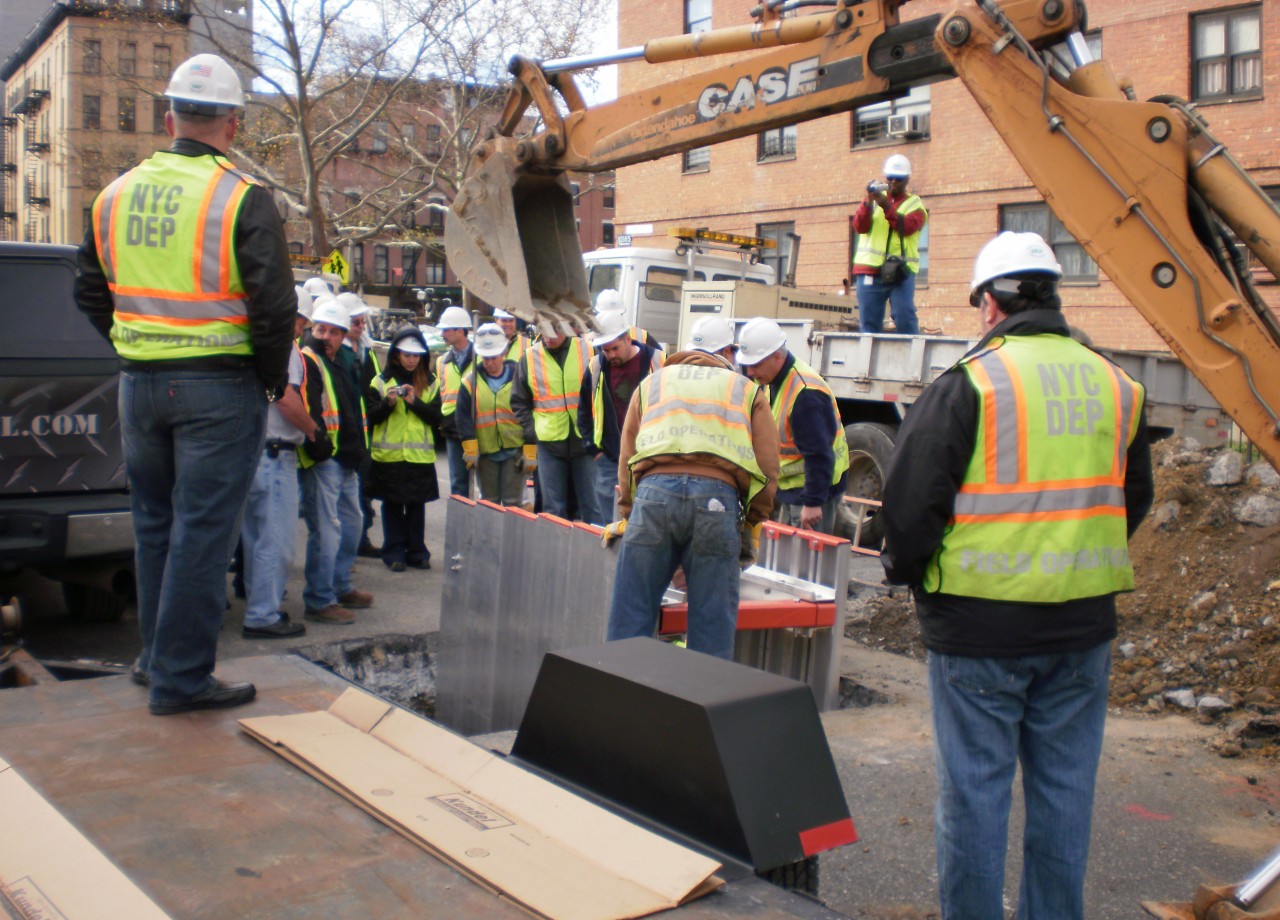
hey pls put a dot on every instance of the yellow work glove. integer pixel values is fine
(470, 453)
(612, 532)
(750, 550)
(530, 457)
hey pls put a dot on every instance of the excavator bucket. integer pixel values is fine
(512, 240)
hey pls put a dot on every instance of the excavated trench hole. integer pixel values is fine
(401, 669)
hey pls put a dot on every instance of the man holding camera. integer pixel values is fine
(888, 224)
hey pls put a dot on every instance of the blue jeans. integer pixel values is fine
(606, 485)
(191, 444)
(989, 714)
(269, 535)
(554, 474)
(331, 506)
(902, 304)
(680, 520)
(459, 475)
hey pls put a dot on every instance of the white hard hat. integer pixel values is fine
(317, 286)
(354, 305)
(410, 346)
(499, 313)
(304, 301)
(490, 341)
(609, 301)
(205, 85)
(897, 167)
(331, 313)
(1011, 253)
(611, 326)
(454, 318)
(710, 334)
(759, 338)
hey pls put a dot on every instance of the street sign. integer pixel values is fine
(337, 265)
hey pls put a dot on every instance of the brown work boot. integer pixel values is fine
(339, 616)
(356, 599)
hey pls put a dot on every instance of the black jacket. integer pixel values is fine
(612, 440)
(931, 454)
(263, 257)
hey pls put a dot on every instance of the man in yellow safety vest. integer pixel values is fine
(1015, 483)
(815, 455)
(889, 223)
(697, 468)
(186, 271)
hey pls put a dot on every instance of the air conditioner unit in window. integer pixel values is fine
(909, 126)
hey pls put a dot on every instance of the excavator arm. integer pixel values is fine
(1143, 186)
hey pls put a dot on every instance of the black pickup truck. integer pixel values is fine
(64, 504)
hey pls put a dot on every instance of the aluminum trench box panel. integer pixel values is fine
(518, 638)
(470, 606)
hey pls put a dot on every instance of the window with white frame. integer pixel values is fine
(697, 16)
(778, 144)
(778, 256)
(697, 160)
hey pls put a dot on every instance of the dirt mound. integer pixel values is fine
(1201, 632)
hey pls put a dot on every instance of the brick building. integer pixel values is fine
(809, 178)
(83, 103)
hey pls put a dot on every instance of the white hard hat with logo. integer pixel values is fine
(759, 338)
(304, 301)
(454, 318)
(205, 85)
(410, 346)
(354, 305)
(710, 334)
(609, 326)
(499, 313)
(331, 313)
(897, 167)
(609, 301)
(490, 341)
(1012, 253)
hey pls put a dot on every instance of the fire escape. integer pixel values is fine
(8, 177)
(35, 218)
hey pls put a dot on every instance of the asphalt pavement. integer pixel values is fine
(1169, 814)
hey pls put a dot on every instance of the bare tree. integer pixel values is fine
(372, 105)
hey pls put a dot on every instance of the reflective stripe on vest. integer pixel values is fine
(791, 470)
(555, 389)
(329, 416)
(450, 377)
(692, 409)
(403, 436)
(497, 427)
(1040, 516)
(597, 393)
(872, 246)
(165, 238)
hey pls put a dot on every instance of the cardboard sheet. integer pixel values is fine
(49, 870)
(554, 853)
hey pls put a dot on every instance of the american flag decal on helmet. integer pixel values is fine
(201, 70)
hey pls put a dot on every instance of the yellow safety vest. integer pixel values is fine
(516, 350)
(1040, 516)
(450, 377)
(403, 436)
(874, 246)
(597, 393)
(555, 389)
(802, 377)
(328, 407)
(693, 409)
(497, 427)
(165, 238)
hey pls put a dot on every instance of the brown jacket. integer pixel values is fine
(764, 440)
